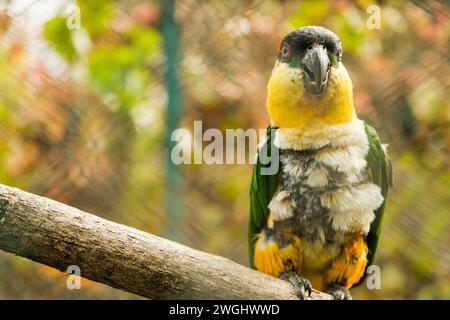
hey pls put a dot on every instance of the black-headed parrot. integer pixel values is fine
(316, 220)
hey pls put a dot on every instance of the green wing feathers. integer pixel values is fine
(262, 189)
(380, 170)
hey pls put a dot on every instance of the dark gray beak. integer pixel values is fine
(316, 67)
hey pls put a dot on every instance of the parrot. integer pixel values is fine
(316, 220)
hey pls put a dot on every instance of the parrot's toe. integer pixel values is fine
(301, 285)
(339, 292)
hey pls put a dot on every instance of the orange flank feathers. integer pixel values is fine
(349, 266)
(274, 260)
(346, 268)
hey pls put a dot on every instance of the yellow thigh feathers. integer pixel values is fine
(349, 266)
(274, 260)
(346, 268)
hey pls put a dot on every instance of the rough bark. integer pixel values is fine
(58, 235)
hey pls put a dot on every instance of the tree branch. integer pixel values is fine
(58, 235)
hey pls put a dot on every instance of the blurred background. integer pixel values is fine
(91, 90)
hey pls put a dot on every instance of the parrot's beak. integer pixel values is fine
(316, 68)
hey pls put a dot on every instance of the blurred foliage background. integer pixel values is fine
(83, 120)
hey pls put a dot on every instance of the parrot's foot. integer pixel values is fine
(339, 292)
(300, 284)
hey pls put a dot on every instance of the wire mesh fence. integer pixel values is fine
(84, 120)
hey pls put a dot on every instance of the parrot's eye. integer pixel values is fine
(285, 53)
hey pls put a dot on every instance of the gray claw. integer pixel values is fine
(339, 292)
(300, 284)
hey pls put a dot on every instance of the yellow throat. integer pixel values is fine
(289, 105)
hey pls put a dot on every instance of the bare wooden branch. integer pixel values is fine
(58, 235)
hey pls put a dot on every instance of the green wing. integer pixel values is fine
(380, 171)
(262, 190)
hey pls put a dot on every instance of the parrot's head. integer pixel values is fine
(309, 85)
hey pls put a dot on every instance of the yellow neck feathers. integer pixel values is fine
(290, 106)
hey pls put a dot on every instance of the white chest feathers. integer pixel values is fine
(333, 172)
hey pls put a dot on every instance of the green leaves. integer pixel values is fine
(118, 60)
(59, 36)
(121, 69)
(96, 16)
(349, 24)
